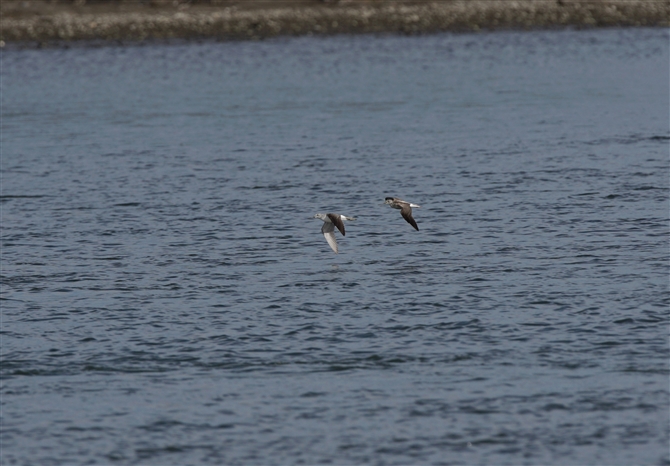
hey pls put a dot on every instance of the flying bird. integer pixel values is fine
(405, 209)
(330, 221)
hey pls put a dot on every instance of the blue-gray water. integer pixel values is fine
(167, 298)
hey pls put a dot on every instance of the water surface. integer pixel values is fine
(168, 299)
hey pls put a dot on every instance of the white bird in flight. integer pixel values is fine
(330, 221)
(405, 209)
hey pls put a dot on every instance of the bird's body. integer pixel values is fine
(330, 221)
(405, 209)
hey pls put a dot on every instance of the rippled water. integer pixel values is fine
(168, 299)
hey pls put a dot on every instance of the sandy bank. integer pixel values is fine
(41, 21)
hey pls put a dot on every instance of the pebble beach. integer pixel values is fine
(40, 22)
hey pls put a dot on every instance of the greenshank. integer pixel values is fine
(405, 209)
(330, 221)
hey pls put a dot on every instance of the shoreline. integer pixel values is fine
(26, 22)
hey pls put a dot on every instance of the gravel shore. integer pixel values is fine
(33, 21)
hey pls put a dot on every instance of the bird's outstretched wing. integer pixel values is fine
(328, 230)
(406, 213)
(337, 221)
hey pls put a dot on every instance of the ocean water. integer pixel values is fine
(168, 299)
